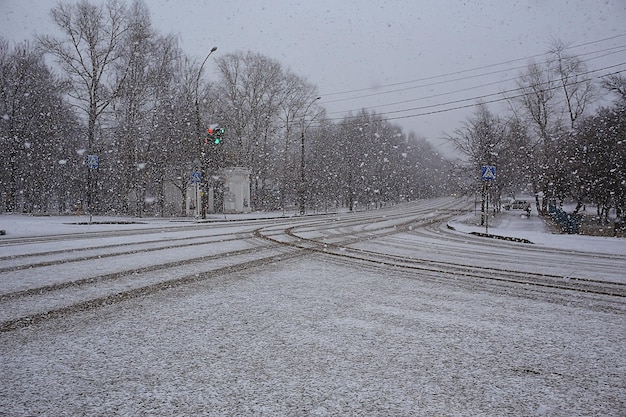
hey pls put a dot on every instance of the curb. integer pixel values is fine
(507, 238)
(510, 239)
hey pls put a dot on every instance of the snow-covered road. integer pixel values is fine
(309, 333)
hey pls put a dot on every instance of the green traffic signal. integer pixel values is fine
(218, 135)
(215, 134)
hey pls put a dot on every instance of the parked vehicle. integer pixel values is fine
(517, 205)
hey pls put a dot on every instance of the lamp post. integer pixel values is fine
(302, 188)
(199, 134)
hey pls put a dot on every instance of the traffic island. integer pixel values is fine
(509, 238)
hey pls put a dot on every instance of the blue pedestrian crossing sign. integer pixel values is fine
(195, 177)
(92, 161)
(488, 173)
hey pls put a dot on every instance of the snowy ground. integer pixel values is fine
(515, 223)
(316, 336)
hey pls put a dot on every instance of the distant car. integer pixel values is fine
(517, 205)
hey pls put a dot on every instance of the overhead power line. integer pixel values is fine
(474, 99)
(465, 106)
(609, 51)
(450, 92)
(485, 98)
(469, 70)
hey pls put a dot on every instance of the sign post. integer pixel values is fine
(196, 178)
(487, 174)
(92, 163)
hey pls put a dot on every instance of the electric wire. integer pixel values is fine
(622, 48)
(474, 98)
(592, 56)
(476, 68)
(474, 104)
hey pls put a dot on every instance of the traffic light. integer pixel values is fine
(215, 134)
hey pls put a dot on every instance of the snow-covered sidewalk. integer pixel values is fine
(516, 224)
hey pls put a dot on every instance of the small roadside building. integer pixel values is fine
(236, 182)
(229, 193)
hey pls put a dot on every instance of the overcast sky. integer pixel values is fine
(401, 58)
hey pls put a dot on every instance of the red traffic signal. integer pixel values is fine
(215, 133)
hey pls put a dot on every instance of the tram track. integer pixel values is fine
(341, 245)
(23, 308)
(65, 237)
(44, 283)
(42, 259)
(585, 285)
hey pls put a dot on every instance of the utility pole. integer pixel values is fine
(303, 187)
(203, 174)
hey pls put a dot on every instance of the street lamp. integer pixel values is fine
(302, 190)
(199, 134)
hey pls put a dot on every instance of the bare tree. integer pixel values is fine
(577, 87)
(167, 123)
(37, 133)
(297, 110)
(93, 42)
(482, 139)
(257, 101)
(295, 96)
(555, 91)
(616, 83)
(135, 110)
(538, 100)
(537, 86)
